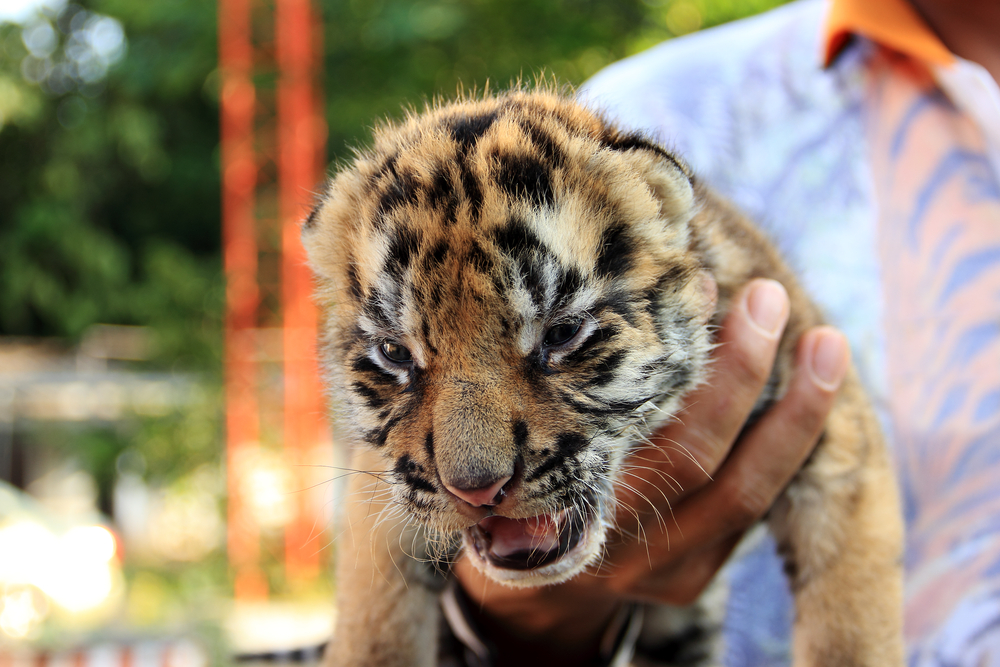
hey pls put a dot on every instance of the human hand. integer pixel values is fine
(690, 497)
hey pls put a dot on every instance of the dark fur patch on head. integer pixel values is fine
(550, 151)
(471, 189)
(435, 255)
(604, 371)
(376, 374)
(615, 256)
(404, 245)
(441, 195)
(466, 130)
(524, 177)
(480, 259)
(377, 437)
(353, 282)
(372, 397)
(516, 239)
(429, 445)
(402, 190)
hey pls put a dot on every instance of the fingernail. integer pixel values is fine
(767, 305)
(829, 359)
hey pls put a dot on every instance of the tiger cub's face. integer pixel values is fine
(508, 304)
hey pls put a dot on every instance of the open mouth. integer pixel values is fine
(527, 544)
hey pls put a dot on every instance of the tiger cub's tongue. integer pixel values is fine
(512, 536)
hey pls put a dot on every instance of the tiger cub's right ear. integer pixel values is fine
(669, 178)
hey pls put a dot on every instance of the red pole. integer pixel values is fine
(239, 178)
(301, 141)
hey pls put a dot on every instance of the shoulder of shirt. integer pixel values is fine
(631, 88)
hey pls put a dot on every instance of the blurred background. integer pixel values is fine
(144, 516)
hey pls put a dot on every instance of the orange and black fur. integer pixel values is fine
(514, 294)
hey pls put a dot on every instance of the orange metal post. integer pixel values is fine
(300, 135)
(239, 178)
(301, 141)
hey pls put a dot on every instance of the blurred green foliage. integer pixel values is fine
(109, 206)
(381, 54)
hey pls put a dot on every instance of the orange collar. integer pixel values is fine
(892, 23)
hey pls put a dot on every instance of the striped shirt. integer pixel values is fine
(871, 154)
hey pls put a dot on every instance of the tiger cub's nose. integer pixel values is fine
(479, 492)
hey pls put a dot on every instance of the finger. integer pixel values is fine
(690, 449)
(711, 522)
(774, 449)
(681, 581)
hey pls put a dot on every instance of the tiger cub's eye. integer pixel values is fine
(395, 352)
(561, 333)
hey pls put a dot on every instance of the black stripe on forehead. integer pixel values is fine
(470, 187)
(529, 255)
(524, 177)
(466, 130)
(480, 259)
(441, 195)
(614, 258)
(404, 244)
(398, 190)
(544, 142)
(570, 282)
(516, 239)
(435, 255)
(353, 282)
(382, 308)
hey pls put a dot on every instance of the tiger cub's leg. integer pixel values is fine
(839, 529)
(387, 611)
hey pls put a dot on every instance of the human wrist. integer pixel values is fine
(527, 626)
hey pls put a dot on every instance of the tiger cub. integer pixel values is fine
(508, 285)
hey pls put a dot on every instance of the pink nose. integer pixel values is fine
(486, 495)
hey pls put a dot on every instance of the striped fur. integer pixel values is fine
(511, 286)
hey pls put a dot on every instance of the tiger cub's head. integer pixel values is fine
(509, 302)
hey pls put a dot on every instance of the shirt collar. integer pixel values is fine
(891, 23)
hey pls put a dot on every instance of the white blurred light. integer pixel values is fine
(25, 549)
(40, 39)
(79, 586)
(267, 484)
(106, 36)
(74, 570)
(21, 610)
(20, 11)
(269, 491)
(93, 44)
(93, 543)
